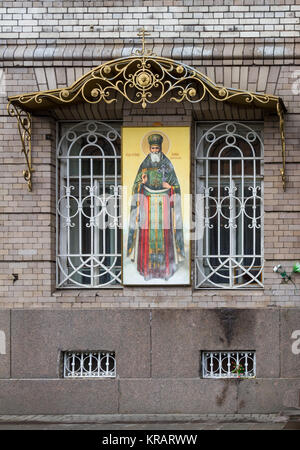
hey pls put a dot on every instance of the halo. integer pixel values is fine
(165, 143)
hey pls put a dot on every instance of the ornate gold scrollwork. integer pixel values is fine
(142, 78)
(282, 135)
(24, 128)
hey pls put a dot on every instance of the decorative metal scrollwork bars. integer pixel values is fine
(97, 364)
(229, 207)
(229, 364)
(88, 206)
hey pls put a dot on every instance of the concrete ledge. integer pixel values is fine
(59, 50)
(58, 396)
(143, 418)
(144, 396)
(177, 396)
(292, 413)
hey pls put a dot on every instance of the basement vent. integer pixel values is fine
(89, 364)
(233, 364)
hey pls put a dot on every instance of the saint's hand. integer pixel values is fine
(166, 185)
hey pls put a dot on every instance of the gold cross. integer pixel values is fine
(142, 33)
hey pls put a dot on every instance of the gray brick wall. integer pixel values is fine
(167, 19)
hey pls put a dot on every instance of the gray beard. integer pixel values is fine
(155, 157)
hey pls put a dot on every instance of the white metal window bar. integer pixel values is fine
(235, 364)
(229, 206)
(88, 205)
(96, 364)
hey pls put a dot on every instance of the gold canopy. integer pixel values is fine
(144, 79)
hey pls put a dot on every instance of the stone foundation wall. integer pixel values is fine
(158, 355)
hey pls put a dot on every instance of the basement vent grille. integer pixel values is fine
(89, 364)
(233, 364)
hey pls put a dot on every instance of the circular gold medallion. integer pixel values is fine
(143, 79)
(65, 93)
(107, 69)
(95, 92)
(192, 92)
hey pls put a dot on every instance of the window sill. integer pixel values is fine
(85, 292)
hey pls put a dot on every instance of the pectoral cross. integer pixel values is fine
(162, 170)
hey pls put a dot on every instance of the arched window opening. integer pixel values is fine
(88, 205)
(229, 207)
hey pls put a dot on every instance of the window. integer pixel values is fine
(229, 226)
(96, 364)
(88, 205)
(235, 364)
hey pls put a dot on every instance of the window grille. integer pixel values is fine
(88, 205)
(236, 364)
(96, 364)
(229, 206)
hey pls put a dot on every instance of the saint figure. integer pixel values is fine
(155, 238)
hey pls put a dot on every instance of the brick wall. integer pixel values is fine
(168, 19)
(49, 44)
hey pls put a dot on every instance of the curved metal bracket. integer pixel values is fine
(24, 128)
(282, 135)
